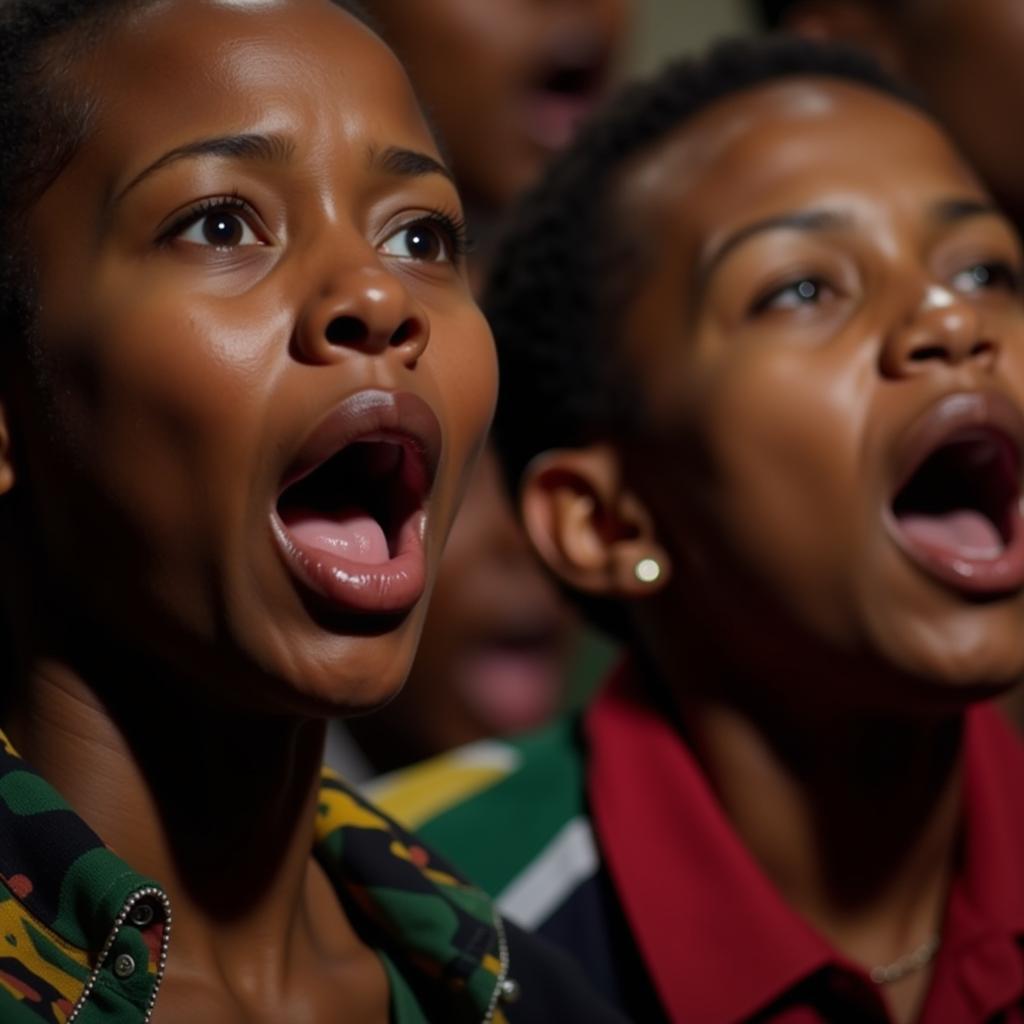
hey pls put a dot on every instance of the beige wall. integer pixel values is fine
(669, 27)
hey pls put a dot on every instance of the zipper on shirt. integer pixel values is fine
(129, 904)
(503, 960)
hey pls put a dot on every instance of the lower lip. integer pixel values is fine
(977, 577)
(389, 588)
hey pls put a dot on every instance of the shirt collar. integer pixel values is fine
(992, 879)
(716, 935)
(60, 882)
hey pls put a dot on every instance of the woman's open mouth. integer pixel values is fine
(351, 515)
(957, 511)
(565, 89)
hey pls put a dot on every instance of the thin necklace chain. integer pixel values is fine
(886, 974)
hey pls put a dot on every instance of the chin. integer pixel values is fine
(962, 659)
(355, 686)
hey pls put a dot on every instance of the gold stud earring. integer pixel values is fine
(647, 570)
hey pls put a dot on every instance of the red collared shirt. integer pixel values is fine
(720, 943)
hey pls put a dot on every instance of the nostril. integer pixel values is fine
(982, 348)
(926, 352)
(404, 332)
(346, 330)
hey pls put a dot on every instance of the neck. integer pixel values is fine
(855, 821)
(853, 815)
(217, 807)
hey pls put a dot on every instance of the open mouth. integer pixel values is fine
(957, 512)
(963, 498)
(565, 90)
(356, 504)
(350, 517)
(515, 681)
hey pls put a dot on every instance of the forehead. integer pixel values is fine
(785, 146)
(179, 68)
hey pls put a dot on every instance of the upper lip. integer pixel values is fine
(377, 414)
(954, 417)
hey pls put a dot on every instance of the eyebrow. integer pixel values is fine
(946, 211)
(266, 148)
(407, 163)
(949, 211)
(396, 161)
(805, 220)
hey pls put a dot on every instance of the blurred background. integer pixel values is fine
(665, 28)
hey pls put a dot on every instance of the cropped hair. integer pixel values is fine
(564, 269)
(772, 14)
(42, 121)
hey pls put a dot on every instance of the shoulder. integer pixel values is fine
(493, 807)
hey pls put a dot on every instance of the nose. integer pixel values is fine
(945, 329)
(367, 309)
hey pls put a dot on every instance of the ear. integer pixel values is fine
(857, 22)
(588, 527)
(6, 460)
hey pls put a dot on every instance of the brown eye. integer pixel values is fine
(437, 238)
(219, 227)
(806, 291)
(421, 241)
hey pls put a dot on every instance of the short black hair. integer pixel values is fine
(557, 283)
(41, 122)
(772, 14)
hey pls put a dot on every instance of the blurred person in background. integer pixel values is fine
(506, 83)
(964, 57)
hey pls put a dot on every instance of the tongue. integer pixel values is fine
(964, 533)
(352, 534)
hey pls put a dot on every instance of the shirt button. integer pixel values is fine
(124, 966)
(141, 915)
(510, 991)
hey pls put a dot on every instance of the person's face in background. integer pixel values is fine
(506, 81)
(964, 56)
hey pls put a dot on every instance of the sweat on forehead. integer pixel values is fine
(558, 284)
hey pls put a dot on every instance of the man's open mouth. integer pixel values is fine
(351, 513)
(957, 512)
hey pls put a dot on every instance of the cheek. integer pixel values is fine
(788, 489)
(150, 405)
(465, 373)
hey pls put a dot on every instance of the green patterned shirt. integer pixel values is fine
(84, 937)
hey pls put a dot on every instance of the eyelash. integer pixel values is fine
(766, 300)
(453, 227)
(200, 209)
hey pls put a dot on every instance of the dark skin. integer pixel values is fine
(484, 70)
(965, 59)
(807, 646)
(185, 353)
